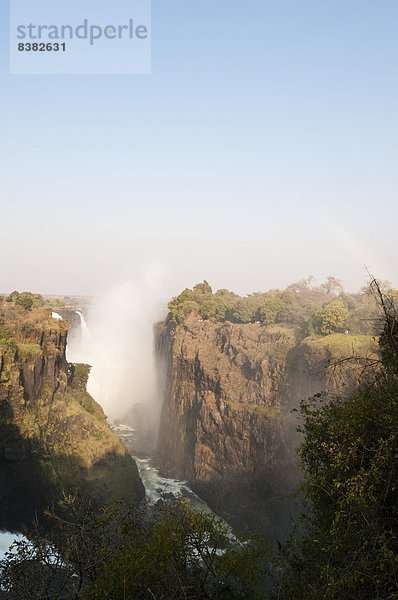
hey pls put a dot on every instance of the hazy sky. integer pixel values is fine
(263, 148)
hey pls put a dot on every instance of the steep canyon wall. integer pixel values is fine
(227, 424)
(54, 438)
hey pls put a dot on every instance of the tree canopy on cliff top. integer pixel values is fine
(22, 315)
(313, 309)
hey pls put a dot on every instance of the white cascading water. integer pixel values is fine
(117, 341)
(121, 351)
(85, 332)
(79, 342)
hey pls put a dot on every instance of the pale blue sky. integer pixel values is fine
(262, 148)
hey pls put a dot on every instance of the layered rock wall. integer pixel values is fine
(54, 438)
(227, 424)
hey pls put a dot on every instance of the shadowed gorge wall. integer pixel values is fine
(54, 437)
(227, 425)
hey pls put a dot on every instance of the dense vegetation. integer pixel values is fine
(165, 552)
(27, 300)
(321, 310)
(349, 546)
(20, 315)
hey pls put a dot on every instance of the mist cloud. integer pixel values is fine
(119, 345)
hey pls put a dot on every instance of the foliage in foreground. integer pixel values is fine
(349, 547)
(165, 552)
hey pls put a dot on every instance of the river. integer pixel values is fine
(156, 486)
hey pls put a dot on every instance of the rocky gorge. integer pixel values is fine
(228, 424)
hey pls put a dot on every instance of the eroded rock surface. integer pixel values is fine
(54, 438)
(227, 424)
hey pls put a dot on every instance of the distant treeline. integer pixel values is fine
(321, 310)
(27, 300)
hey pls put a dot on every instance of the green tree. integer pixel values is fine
(12, 297)
(183, 555)
(332, 318)
(242, 311)
(270, 310)
(181, 307)
(203, 289)
(165, 552)
(25, 299)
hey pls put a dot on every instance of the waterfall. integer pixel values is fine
(85, 332)
(117, 341)
(79, 348)
(123, 376)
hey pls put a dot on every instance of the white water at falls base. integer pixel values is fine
(156, 486)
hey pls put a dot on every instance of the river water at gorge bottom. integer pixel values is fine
(156, 486)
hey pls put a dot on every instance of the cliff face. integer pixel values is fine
(226, 423)
(54, 438)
